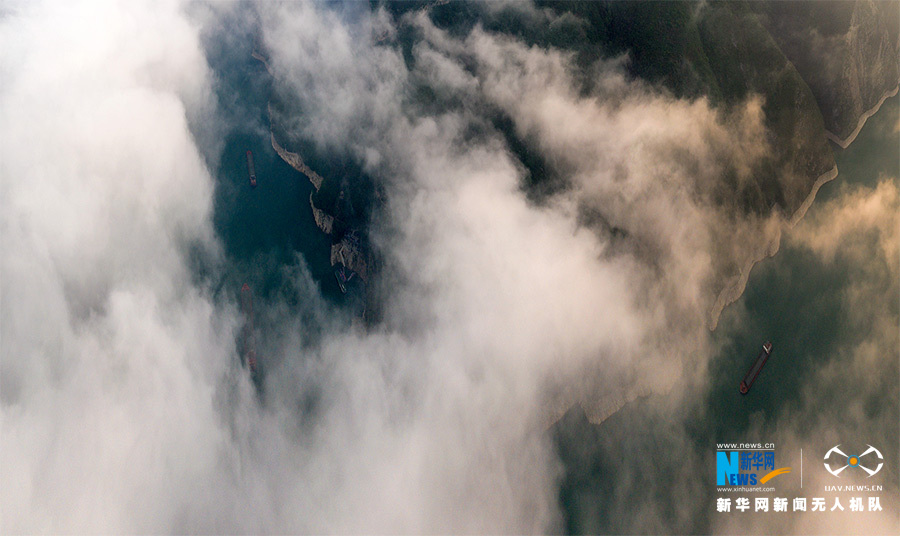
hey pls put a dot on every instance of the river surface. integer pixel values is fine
(268, 228)
(614, 470)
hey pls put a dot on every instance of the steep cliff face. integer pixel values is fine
(747, 61)
(847, 52)
(350, 253)
(349, 250)
(296, 161)
(324, 221)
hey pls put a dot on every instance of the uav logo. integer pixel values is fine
(837, 457)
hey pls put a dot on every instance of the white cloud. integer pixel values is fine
(503, 305)
(110, 356)
(846, 225)
(122, 407)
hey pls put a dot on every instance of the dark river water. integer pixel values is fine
(613, 471)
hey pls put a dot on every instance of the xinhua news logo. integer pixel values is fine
(836, 461)
(737, 466)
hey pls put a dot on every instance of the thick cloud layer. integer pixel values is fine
(645, 212)
(508, 310)
(109, 352)
(123, 405)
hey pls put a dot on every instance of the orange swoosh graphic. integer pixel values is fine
(773, 474)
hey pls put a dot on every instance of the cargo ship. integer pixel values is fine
(251, 169)
(248, 345)
(760, 362)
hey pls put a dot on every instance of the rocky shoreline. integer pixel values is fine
(862, 121)
(296, 161)
(348, 250)
(599, 410)
(734, 290)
